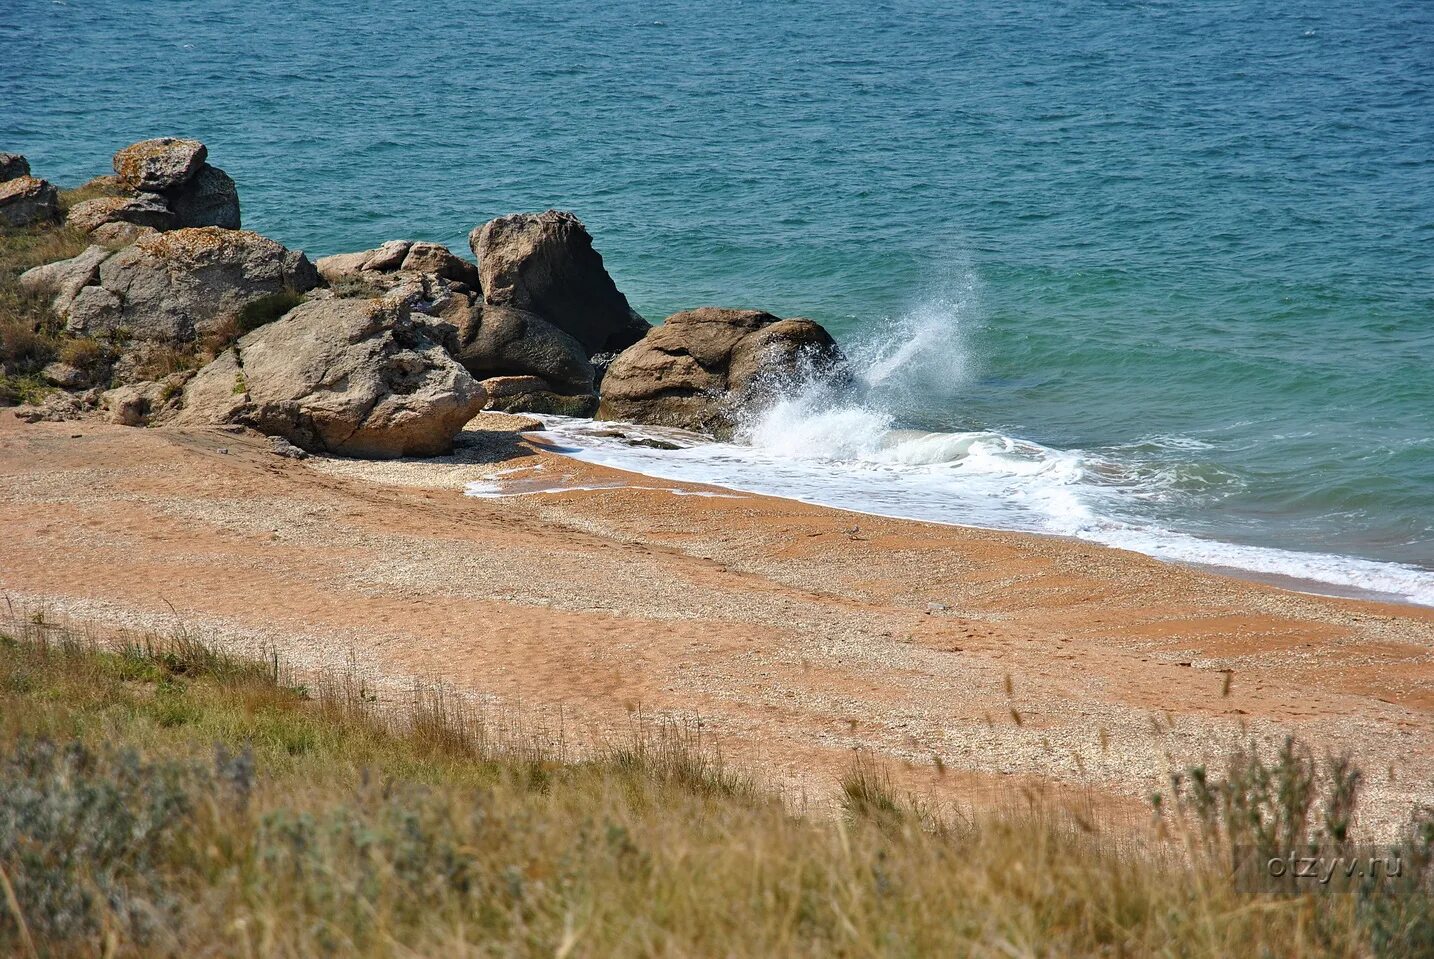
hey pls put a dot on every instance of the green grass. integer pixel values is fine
(163, 798)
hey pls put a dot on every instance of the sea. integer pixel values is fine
(1153, 274)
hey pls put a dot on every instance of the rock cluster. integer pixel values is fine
(25, 200)
(345, 376)
(701, 367)
(385, 352)
(160, 184)
(170, 287)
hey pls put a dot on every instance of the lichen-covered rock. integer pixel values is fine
(26, 199)
(701, 368)
(503, 341)
(13, 166)
(533, 394)
(142, 209)
(346, 376)
(178, 286)
(544, 263)
(208, 198)
(155, 166)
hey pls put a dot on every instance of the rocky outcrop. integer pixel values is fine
(172, 287)
(533, 394)
(26, 199)
(144, 209)
(503, 341)
(13, 166)
(346, 376)
(145, 404)
(210, 198)
(174, 173)
(545, 263)
(155, 166)
(378, 266)
(700, 367)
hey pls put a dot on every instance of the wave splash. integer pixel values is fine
(848, 448)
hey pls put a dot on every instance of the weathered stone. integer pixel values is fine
(13, 166)
(345, 376)
(700, 368)
(545, 263)
(26, 200)
(143, 209)
(501, 341)
(180, 285)
(154, 166)
(64, 279)
(65, 376)
(414, 256)
(209, 198)
(116, 235)
(533, 394)
(145, 404)
(282, 447)
(60, 407)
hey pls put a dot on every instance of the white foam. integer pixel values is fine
(846, 450)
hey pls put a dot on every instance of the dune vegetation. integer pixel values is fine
(159, 797)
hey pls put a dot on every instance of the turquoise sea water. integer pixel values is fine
(1167, 268)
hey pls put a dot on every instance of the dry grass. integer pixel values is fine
(29, 336)
(165, 799)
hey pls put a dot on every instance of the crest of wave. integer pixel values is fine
(902, 369)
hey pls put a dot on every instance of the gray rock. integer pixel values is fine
(64, 279)
(545, 263)
(701, 368)
(60, 407)
(415, 256)
(533, 394)
(65, 376)
(282, 447)
(116, 235)
(178, 286)
(345, 376)
(13, 166)
(155, 166)
(209, 198)
(26, 200)
(503, 341)
(143, 209)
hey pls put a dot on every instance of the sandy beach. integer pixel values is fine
(794, 633)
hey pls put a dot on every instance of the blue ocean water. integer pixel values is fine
(1172, 264)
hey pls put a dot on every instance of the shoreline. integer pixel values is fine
(794, 636)
(1304, 584)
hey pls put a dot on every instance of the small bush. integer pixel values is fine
(267, 309)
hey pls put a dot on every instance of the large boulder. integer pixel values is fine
(346, 376)
(159, 165)
(701, 368)
(143, 209)
(13, 166)
(209, 198)
(176, 287)
(26, 199)
(503, 341)
(545, 263)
